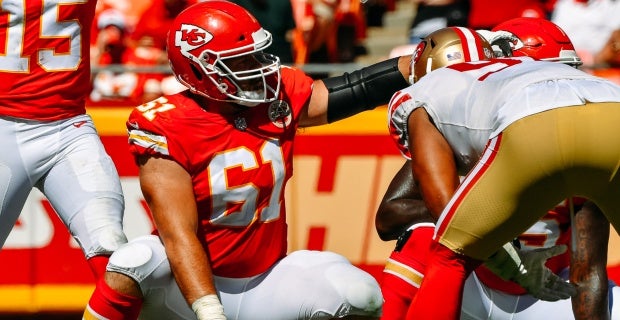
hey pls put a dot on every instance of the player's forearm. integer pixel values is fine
(401, 206)
(433, 162)
(191, 267)
(588, 263)
(192, 271)
(590, 302)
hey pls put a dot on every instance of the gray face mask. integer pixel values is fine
(250, 95)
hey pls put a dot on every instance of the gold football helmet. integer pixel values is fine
(445, 47)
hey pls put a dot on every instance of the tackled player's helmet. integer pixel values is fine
(540, 39)
(445, 47)
(215, 48)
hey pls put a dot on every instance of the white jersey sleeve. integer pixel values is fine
(470, 103)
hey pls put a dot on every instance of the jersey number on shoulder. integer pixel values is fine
(13, 59)
(246, 194)
(483, 69)
(152, 108)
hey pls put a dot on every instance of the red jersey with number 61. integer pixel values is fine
(44, 57)
(239, 166)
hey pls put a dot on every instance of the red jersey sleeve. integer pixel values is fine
(159, 128)
(145, 136)
(296, 88)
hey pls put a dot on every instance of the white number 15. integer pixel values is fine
(13, 59)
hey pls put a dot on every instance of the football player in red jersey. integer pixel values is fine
(47, 139)
(214, 161)
(522, 132)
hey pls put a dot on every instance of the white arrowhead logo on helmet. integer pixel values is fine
(191, 37)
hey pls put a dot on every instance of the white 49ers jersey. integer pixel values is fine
(470, 103)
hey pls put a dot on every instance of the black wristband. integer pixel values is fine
(363, 89)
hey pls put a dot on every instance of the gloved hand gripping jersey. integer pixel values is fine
(502, 42)
(527, 268)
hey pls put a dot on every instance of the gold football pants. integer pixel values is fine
(530, 167)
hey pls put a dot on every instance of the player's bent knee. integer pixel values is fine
(139, 258)
(365, 296)
(360, 290)
(344, 289)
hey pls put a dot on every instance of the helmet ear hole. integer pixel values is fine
(197, 73)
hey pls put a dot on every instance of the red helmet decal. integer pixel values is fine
(418, 52)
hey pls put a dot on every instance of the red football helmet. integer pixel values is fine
(445, 47)
(215, 48)
(540, 39)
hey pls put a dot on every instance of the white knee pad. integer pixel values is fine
(141, 259)
(359, 288)
(144, 260)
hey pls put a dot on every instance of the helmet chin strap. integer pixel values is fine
(250, 95)
(247, 103)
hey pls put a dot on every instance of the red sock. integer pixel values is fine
(97, 265)
(441, 293)
(106, 303)
(404, 271)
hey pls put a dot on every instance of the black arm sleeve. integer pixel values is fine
(363, 89)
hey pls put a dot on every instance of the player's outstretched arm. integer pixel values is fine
(339, 97)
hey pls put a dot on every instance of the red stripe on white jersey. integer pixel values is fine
(470, 180)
